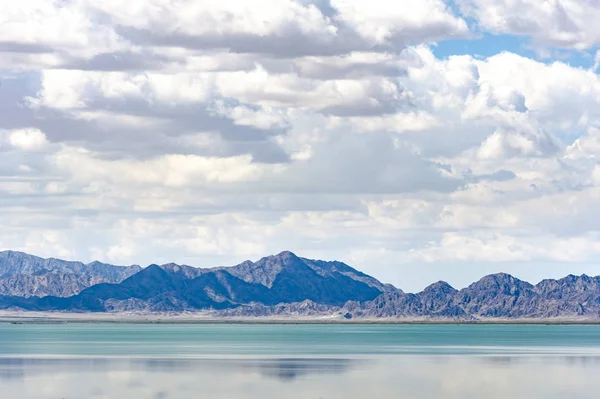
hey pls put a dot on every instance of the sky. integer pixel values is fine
(416, 141)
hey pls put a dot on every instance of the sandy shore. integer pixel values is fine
(202, 318)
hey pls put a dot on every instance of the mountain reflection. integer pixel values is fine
(492, 377)
(289, 369)
(571, 359)
(278, 368)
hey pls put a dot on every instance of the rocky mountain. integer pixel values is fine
(266, 270)
(497, 296)
(27, 275)
(283, 278)
(283, 285)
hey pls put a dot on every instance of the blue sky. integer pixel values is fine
(486, 45)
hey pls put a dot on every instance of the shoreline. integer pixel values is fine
(154, 318)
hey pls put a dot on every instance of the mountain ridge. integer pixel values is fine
(26, 275)
(288, 285)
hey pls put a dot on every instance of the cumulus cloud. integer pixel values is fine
(210, 132)
(69, 89)
(48, 33)
(26, 139)
(491, 247)
(380, 22)
(171, 170)
(108, 35)
(565, 23)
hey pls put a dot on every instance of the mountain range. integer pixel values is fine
(281, 285)
(27, 275)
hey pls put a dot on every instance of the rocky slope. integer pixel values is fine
(497, 296)
(283, 285)
(280, 279)
(26, 275)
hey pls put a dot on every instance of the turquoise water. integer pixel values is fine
(53, 361)
(260, 339)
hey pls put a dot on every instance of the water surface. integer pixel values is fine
(298, 361)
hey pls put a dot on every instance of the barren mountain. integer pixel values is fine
(281, 285)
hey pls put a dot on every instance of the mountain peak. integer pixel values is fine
(282, 283)
(152, 271)
(95, 262)
(286, 255)
(29, 275)
(499, 278)
(573, 277)
(10, 253)
(187, 271)
(440, 286)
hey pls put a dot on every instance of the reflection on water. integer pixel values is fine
(96, 361)
(275, 378)
(289, 369)
(294, 340)
(283, 368)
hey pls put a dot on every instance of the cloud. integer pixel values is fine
(353, 165)
(355, 65)
(585, 147)
(380, 22)
(567, 23)
(69, 89)
(151, 35)
(209, 132)
(224, 24)
(491, 247)
(26, 139)
(170, 170)
(47, 32)
(345, 97)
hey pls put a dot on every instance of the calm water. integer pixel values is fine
(298, 361)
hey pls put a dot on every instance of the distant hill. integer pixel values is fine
(284, 278)
(281, 285)
(27, 275)
(497, 296)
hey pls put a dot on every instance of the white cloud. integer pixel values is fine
(170, 170)
(345, 96)
(493, 247)
(110, 35)
(26, 139)
(564, 23)
(67, 89)
(208, 132)
(262, 118)
(380, 21)
(119, 253)
(219, 17)
(507, 144)
(585, 147)
(398, 122)
(65, 25)
(355, 65)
